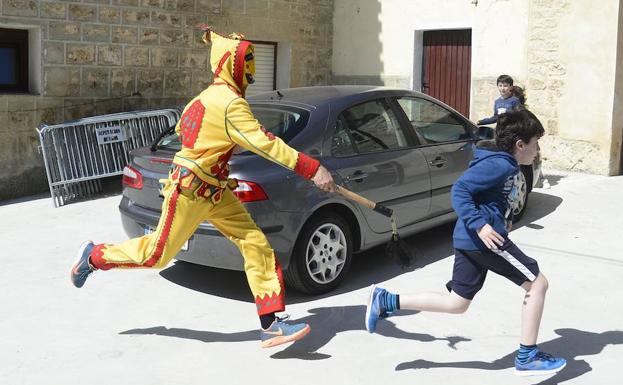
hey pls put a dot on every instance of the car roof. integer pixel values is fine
(320, 95)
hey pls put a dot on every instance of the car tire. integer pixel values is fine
(322, 255)
(524, 192)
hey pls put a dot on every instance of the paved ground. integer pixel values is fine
(194, 325)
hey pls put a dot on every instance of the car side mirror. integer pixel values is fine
(485, 132)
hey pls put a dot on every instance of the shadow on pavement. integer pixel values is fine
(368, 267)
(326, 323)
(571, 344)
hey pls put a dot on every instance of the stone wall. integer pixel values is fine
(104, 56)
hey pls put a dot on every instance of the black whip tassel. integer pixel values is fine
(398, 250)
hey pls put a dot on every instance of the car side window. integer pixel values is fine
(431, 122)
(367, 127)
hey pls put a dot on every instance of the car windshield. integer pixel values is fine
(282, 121)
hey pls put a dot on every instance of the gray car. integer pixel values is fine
(400, 148)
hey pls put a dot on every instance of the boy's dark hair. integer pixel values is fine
(515, 125)
(505, 79)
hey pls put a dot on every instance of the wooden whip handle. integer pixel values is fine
(364, 201)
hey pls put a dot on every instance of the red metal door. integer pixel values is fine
(446, 67)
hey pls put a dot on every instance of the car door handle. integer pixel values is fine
(358, 176)
(438, 161)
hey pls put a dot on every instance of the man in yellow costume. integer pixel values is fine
(197, 189)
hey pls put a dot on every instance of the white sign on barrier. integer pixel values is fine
(107, 135)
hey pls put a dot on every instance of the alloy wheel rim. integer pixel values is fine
(325, 254)
(521, 194)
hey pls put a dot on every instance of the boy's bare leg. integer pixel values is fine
(532, 309)
(435, 302)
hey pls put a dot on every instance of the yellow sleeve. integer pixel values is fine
(244, 130)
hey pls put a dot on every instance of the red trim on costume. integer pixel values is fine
(306, 166)
(190, 123)
(220, 63)
(274, 303)
(229, 86)
(221, 169)
(239, 62)
(267, 133)
(97, 254)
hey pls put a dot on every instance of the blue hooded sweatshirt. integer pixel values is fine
(484, 194)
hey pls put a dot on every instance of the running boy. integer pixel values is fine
(483, 198)
(505, 103)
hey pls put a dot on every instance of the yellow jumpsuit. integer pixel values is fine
(198, 188)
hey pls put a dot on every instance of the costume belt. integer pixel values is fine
(193, 187)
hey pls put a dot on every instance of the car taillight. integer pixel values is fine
(132, 178)
(249, 192)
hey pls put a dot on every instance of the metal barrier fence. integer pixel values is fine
(78, 154)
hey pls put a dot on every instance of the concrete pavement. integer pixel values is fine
(190, 325)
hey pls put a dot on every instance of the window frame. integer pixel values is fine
(398, 115)
(18, 40)
(411, 131)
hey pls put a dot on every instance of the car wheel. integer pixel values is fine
(322, 255)
(524, 191)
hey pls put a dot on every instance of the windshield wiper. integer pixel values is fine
(154, 145)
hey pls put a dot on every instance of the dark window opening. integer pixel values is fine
(13, 60)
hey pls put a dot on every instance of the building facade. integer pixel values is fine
(568, 56)
(91, 57)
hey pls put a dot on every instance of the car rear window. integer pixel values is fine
(282, 121)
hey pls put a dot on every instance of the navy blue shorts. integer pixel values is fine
(471, 266)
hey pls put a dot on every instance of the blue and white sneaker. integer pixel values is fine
(375, 310)
(81, 269)
(281, 332)
(540, 363)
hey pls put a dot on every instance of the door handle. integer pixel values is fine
(438, 161)
(358, 176)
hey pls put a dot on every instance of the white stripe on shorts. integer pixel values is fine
(518, 265)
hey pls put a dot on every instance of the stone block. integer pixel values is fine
(80, 12)
(163, 102)
(201, 80)
(96, 32)
(131, 16)
(148, 36)
(22, 120)
(195, 59)
(195, 20)
(164, 57)
(78, 108)
(124, 34)
(136, 56)
(109, 55)
(165, 19)
(53, 10)
(257, 8)
(109, 15)
(233, 7)
(150, 82)
(61, 81)
(177, 83)
(20, 8)
(122, 82)
(62, 30)
(152, 3)
(53, 52)
(136, 103)
(175, 37)
(80, 54)
(209, 6)
(49, 110)
(129, 3)
(180, 5)
(108, 106)
(95, 81)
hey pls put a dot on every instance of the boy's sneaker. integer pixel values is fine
(281, 332)
(540, 363)
(375, 310)
(81, 269)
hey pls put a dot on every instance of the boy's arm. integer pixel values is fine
(492, 119)
(478, 178)
(244, 130)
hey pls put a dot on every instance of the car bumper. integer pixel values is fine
(208, 246)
